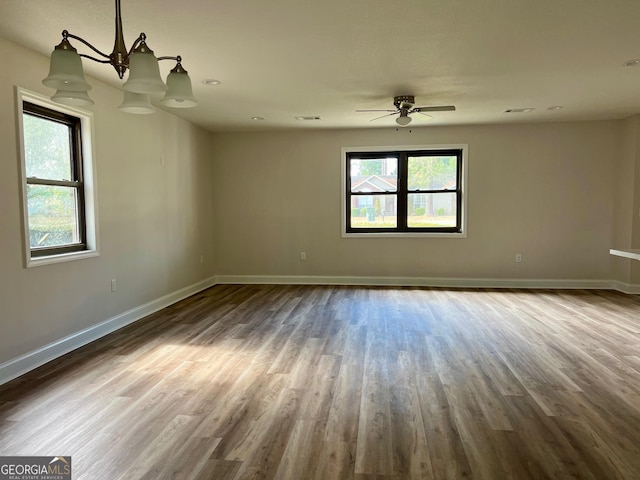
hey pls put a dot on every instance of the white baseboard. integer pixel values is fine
(630, 288)
(421, 282)
(29, 361)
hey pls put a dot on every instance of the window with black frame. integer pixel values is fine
(404, 191)
(54, 181)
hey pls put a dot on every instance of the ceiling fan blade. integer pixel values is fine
(394, 111)
(388, 114)
(440, 108)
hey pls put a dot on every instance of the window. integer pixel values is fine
(404, 191)
(57, 198)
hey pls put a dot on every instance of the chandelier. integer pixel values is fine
(66, 75)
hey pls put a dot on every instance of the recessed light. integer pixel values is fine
(308, 118)
(519, 110)
(211, 81)
(632, 63)
(257, 118)
(556, 107)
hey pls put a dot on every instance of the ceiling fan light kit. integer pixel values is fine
(405, 106)
(403, 120)
(66, 74)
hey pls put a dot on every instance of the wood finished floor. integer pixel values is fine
(315, 382)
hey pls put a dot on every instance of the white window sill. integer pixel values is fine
(403, 235)
(64, 257)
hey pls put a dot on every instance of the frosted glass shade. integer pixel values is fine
(144, 74)
(75, 99)
(179, 93)
(139, 103)
(65, 72)
(403, 121)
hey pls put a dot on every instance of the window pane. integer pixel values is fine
(47, 148)
(432, 173)
(431, 210)
(373, 211)
(374, 175)
(53, 219)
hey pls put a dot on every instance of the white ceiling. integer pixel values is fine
(279, 59)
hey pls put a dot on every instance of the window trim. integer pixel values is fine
(88, 194)
(464, 148)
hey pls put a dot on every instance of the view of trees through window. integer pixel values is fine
(53, 179)
(404, 191)
(432, 174)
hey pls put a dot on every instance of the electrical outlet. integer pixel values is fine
(303, 255)
(518, 258)
(114, 285)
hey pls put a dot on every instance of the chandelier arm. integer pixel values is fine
(177, 58)
(80, 39)
(94, 58)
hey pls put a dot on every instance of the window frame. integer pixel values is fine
(402, 192)
(83, 178)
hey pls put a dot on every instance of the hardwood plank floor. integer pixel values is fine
(353, 383)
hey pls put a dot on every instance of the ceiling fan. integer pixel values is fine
(405, 106)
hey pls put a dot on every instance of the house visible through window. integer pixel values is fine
(57, 200)
(414, 191)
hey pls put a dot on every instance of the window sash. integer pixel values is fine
(76, 182)
(59, 183)
(402, 193)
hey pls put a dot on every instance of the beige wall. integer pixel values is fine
(544, 190)
(624, 199)
(151, 218)
(630, 192)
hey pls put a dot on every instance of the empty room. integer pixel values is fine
(332, 240)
